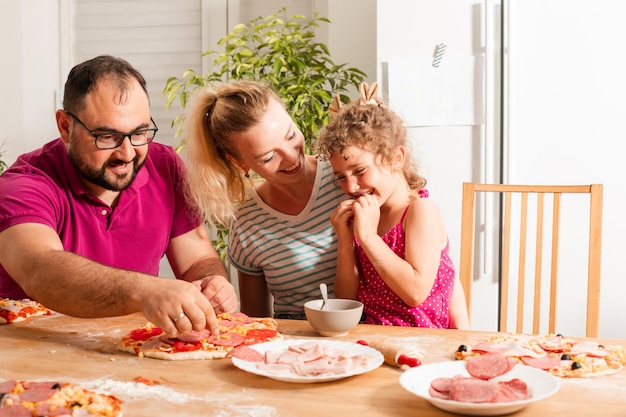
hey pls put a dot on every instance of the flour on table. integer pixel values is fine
(223, 403)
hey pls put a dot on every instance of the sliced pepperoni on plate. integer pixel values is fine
(246, 353)
(488, 365)
(473, 390)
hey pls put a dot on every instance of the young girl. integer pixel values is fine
(393, 249)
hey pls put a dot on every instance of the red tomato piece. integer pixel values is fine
(144, 334)
(259, 335)
(181, 346)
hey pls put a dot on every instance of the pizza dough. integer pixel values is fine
(236, 329)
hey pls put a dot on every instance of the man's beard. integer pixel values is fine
(98, 176)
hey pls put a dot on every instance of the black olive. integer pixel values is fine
(565, 357)
(560, 335)
(56, 386)
(600, 346)
(462, 348)
(576, 365)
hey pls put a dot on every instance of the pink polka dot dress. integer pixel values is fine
(383, 306)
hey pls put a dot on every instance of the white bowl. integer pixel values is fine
(341, 317)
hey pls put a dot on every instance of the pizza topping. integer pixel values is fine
(475, 390)
(254, 336)
(31, 398)
(472, 390)
(145, 333)
(313, 359)
(235, 329)
(194, 336)
(49, 409)
(7, 386)
(554, 354)
(487, 366)
(181, 346)
(226, 339)
(590, 349)
(546, 362)
(13, 311)
(15, 411)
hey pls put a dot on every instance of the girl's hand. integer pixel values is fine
(366, 211)
(341, 219)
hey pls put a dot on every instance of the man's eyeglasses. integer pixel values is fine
(111, 140)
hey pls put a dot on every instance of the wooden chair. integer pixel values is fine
(506, 192)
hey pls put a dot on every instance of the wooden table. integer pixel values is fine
(84, 351)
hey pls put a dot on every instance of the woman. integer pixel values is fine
(281, 240)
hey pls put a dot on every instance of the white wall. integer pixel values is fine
(29, 73)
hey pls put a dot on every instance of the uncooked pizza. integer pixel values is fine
(236, 329)
(14, 311)
(51, 398)
(558, 355)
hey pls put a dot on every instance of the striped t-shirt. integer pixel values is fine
(295, 253)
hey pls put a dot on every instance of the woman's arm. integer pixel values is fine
(255, 298)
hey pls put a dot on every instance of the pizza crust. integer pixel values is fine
(237, 324)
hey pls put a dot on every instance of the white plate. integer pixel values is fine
(282, 345)
(417, 380)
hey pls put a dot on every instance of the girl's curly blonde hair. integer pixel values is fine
(369, 124)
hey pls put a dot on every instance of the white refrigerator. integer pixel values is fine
(528, 92)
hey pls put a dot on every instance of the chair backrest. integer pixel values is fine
(506, 191)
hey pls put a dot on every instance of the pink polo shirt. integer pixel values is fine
(43, 187)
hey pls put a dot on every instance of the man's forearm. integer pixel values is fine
(204, 268)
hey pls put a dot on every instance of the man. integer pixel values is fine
(85, 220)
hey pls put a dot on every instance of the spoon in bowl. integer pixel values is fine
(324, 291)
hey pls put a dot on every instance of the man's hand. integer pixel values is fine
(220, 293)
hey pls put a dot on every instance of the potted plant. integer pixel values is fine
(282, 52)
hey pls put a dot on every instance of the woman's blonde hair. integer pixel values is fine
(216, 183)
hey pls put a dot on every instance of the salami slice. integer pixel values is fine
(488, 365)
(226, 339)
(441, 384)
(7, 386)
(246, 353)
(15, 411)
(37, 394)
(50, 410)
(194, 336)
(473, 390)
